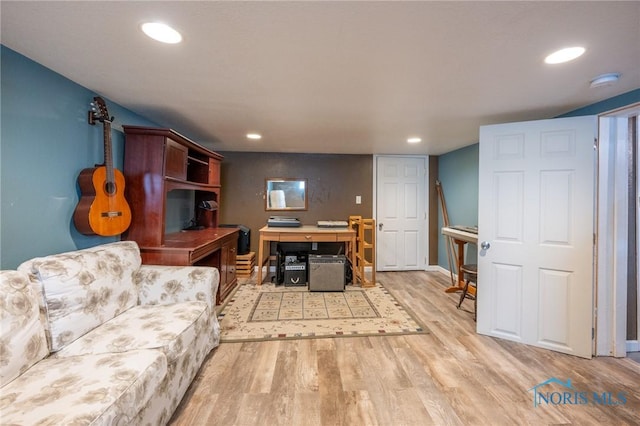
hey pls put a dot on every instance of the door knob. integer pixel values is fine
(485, 245)
(380, 226)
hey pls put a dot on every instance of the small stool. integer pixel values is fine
(470, 273)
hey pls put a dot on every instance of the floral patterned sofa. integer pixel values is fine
(92, 337)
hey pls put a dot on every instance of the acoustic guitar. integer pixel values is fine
(102, 209)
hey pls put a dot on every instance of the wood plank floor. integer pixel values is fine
(451, 376)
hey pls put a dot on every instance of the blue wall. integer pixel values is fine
(45, 143)
(458, 173)
(606, 105)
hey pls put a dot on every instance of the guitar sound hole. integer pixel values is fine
(110, 188)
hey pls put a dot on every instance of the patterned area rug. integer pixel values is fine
(268, 312)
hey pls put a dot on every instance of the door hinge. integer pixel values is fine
(595, 144)
(593, 333)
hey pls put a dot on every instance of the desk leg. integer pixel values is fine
(261, 260)
(351, 253)
(460, 260)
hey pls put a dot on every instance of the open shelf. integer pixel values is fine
(365, 250)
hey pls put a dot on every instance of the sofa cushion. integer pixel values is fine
(161, 284)
(105, 389)
(85, 288)
(22, 337)
(171, 328)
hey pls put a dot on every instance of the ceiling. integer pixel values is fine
(334, 77)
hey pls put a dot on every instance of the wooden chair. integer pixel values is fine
(470, 274)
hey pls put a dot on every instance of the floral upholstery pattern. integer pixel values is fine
(22, 338)
(105, 389)
(146, 327)
(113, 341)
(172, 284)
(180, 374)
(84, 288)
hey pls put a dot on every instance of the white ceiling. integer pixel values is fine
(334, 77)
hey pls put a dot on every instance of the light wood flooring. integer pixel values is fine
(451, 376)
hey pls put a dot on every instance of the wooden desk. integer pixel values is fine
(304, 234)
(460, 238)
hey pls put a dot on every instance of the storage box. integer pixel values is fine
(245, 263)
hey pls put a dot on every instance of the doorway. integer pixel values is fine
(618, 294)
(401, 212)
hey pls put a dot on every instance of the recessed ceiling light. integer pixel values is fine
(414, 140)
(564, 55)
(605, 80)
(254, 136)
(161, 32)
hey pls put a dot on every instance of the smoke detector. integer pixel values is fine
(605, 80)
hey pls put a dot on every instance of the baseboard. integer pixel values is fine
(438, 268)
(446, 272)
(633, 345)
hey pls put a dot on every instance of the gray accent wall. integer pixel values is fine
(333, 182)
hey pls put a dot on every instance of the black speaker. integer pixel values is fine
(295, 274)
(244, 237)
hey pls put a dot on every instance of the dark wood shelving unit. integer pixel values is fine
(157, 161)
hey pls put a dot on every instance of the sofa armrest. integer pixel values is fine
(159, 284)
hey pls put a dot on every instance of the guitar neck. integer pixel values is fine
(108, 157)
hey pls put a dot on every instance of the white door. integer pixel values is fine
(401, 213)
(536, 204)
